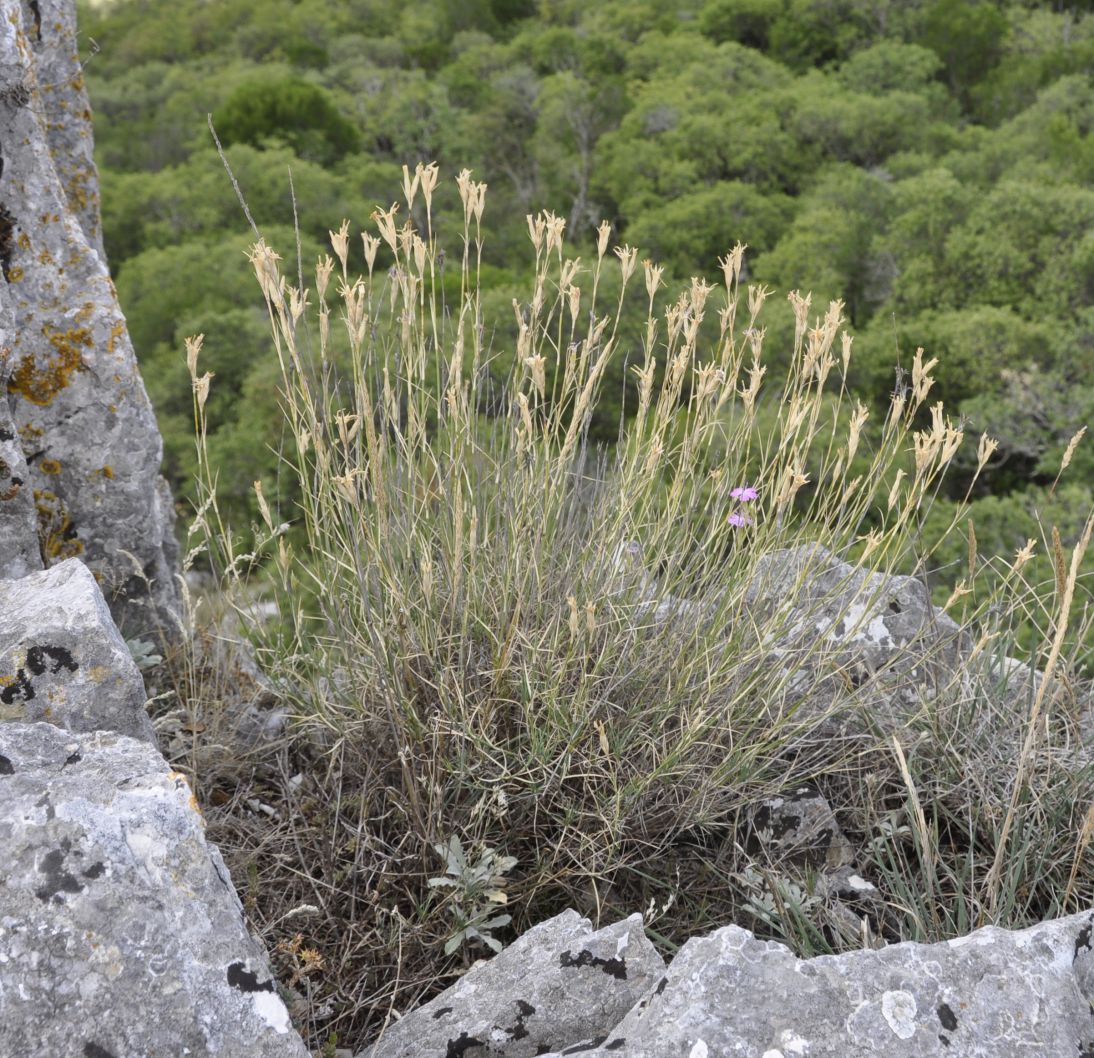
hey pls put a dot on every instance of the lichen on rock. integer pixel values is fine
(70, 385)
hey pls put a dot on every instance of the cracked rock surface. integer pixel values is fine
(992, 994)
(19, 552)
(559, 986)
(63, 660)
(74, 397)
(121, 935)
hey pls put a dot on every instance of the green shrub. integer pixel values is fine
(288, 110)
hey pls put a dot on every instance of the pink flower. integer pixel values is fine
(744, 493)
(737, 519)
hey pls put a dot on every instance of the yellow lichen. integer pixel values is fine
(107, 472)
(56, 533)
(115, 333)
(40, 386)
(23, 242)
(50, 466)
(15, 274)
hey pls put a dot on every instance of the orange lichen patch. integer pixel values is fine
(108, 473)
(30, 432)
(40, 386)
(46, 258)
(77, 193)
(23, 241)
(85, 312)
(56, 533)
(15, 274)
(115, 333)
(50, 466)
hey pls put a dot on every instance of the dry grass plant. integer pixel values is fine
(492, 632)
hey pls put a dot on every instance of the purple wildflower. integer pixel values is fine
(737, 519)
(744, 493)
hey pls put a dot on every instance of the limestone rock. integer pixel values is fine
(560, 984)
(995, 992)
(120, 932)
(62, 659)
(19, 553)
(800, 827)
(79, 406)
(67, 111)
(872, 621)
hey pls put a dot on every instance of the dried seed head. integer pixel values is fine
(371, 245)
(573, 295)
(921, 380)
(555, 228)
(628, 258)
(894, 492)
(535, 366)
(537, 229)
(575, 624)
(201, 388)
(757, 295)
(858, 420)
(323, 268)
(428, 175)
(1023, 555)
(731, 266)
(653, 277)
(603, 234)
(340, 241)
(410, 184)
(985, 450)
(385, 221)
(193, 351)
(1070, 450)
(263, 506)
(958, 592)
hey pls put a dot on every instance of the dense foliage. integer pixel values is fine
(927, 161)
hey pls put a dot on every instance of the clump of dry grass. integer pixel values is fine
(492, 633)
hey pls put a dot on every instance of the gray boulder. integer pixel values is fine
(62, 659)
(800, 828)
(92, 450)
(873, 622)
(120, 932)
(992, 994)
(559, 985)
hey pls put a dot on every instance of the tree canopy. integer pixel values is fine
(927, 161)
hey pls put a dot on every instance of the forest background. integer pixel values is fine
(929, 162)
